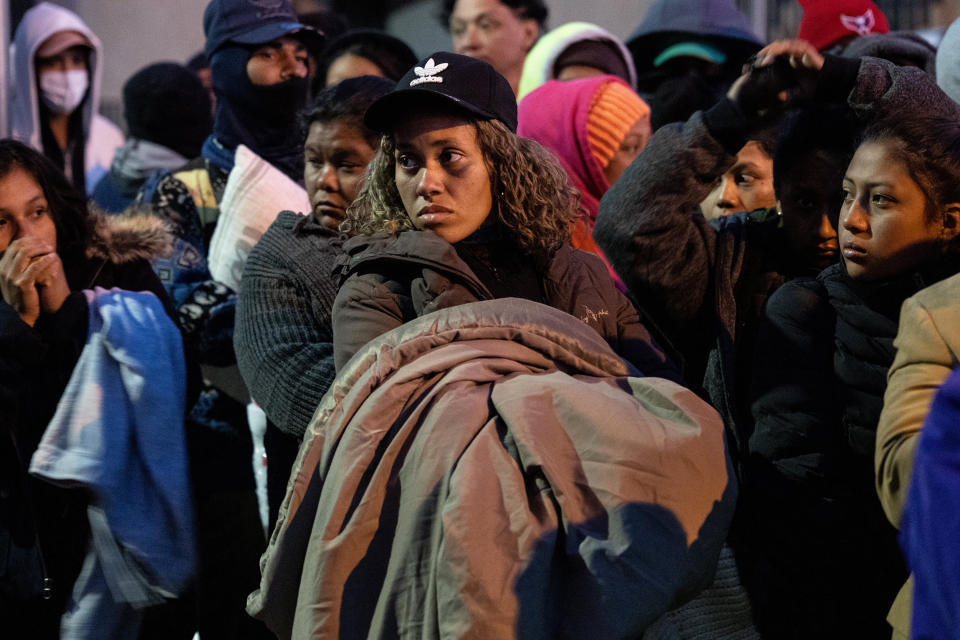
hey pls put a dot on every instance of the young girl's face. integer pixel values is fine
(884, 228)
(441, 175)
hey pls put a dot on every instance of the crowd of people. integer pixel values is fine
(550, 335)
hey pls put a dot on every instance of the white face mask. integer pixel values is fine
(63, 91)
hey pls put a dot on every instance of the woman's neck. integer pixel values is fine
(60, 128)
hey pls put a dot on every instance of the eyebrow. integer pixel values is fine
(37, 198)
(436, 143)
(870, 184)
(480, 16)
(276, 44)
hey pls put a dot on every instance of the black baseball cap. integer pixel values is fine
(470, 84)
(254, 22)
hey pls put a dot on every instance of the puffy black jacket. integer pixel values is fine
(825, 557)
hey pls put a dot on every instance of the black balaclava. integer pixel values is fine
(264, 118)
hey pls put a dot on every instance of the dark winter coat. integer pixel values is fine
(390, 280)
(825, 553)
(35, 366)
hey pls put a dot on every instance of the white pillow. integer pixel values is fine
(256, 192)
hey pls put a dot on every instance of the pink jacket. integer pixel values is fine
(555, 115)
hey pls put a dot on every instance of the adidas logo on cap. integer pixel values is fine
(428, 73)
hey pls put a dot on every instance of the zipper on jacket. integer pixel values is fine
(46, 591)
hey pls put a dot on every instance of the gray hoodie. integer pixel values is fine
(101, 137)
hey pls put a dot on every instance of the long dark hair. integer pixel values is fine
(348, 100)
(67, 207)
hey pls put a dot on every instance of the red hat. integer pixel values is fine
(826, 21)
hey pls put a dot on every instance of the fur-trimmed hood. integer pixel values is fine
(134, 234)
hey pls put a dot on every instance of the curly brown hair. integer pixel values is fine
(532, 194)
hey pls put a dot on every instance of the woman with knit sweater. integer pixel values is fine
(283, 336)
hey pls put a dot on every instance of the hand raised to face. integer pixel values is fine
(32, 280)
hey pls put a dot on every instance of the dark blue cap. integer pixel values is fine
(252, 22)
(449, 79)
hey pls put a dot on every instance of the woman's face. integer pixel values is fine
(746, 186)
(884, 230)
(24, 211)
(336, 154)
(631, 146)
(441, 175)
(71, 59)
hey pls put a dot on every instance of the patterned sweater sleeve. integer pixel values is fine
(205, 307)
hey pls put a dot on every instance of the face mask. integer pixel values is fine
(63, 91)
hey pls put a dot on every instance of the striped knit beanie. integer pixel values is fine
(614, 109)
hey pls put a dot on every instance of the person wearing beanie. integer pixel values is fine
(576, 50)
(55, 94)
(687, 54)
(829, 25)
(168, 117)
(258, 54)
(596, 127)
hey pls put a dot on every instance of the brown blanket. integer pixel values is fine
(491, 471)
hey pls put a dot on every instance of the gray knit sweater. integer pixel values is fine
(283, 336)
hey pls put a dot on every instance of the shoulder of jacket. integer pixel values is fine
(370, 288)
(942, 293)
(105, 131)
(137, 233)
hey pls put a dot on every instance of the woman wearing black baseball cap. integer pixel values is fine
(458, 208)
